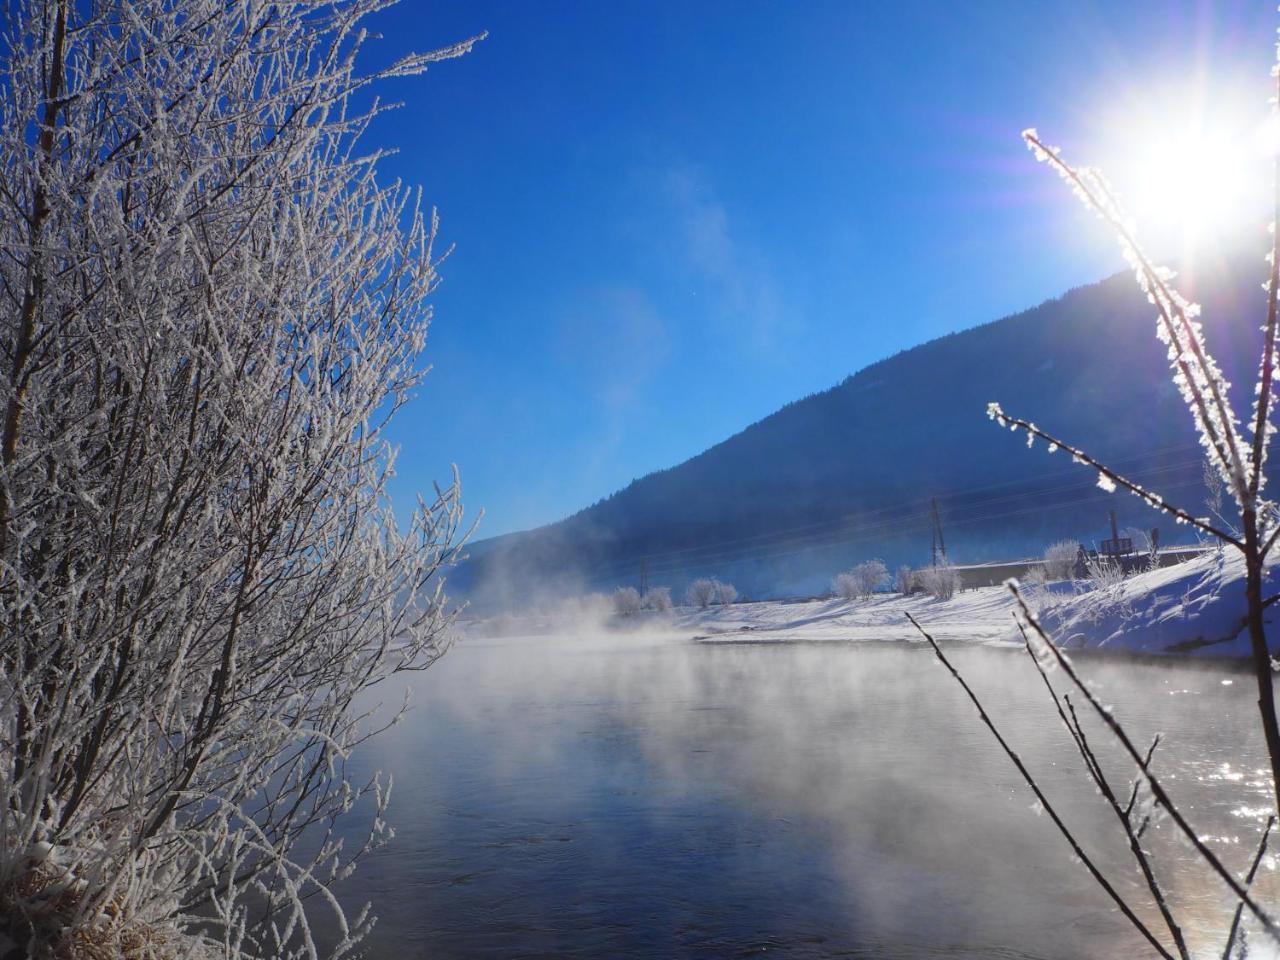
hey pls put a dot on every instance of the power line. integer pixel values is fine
(901, 517)
(1015, 485)
(853, 526)
(810, 546)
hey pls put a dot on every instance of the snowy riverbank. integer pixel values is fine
(1194, 608)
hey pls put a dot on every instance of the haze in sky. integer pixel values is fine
(670, 219)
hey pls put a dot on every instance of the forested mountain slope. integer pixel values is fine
(849, 473)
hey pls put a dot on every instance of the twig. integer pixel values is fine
(1044, 801)
(1150, 498)
(1248, 881)
(1133, 794)
(1099, 778)
(1157, 789)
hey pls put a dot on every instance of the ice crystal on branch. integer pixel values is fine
(213, 308)
(1236, 462)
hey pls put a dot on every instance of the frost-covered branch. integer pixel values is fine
(1195, 372)
(210, 309)
(1099, 877)
(1108, 479)
(1124, 814)
(1047, 649)
(1240, 465)
(1234, 933)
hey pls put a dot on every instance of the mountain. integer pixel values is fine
(850, 473)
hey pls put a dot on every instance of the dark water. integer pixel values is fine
(602, 798)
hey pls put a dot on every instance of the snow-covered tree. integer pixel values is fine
(701, 593)
(725, 593)
(658, 599)
(940, 581)
(213, 309)
(845, 585)
(1060, 560)
(706, 591)
(904, 581)
(626, 601)
(861, 581)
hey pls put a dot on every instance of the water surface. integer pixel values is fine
(604, 797)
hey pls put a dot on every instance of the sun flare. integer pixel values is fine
(1195, 170)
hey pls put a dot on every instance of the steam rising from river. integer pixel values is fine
(598, 794)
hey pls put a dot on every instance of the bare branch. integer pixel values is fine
(1157, 789)
(1248, 882)
(1031, 782)
(1004, 419)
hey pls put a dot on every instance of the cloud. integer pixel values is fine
(614, 340)
(736, 278)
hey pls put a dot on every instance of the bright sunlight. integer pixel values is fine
(1193, 169)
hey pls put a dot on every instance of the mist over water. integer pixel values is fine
(597, 796)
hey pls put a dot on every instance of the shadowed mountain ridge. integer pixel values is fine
(849, 473)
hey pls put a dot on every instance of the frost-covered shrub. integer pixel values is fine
(657, 599)
(1060, 560)
(725, 593)
(1103, 572)
(701, 593)
(861, 581)
(704, 592)
(1034, 577)
(1238, 449)
(1103, 592)
(904, 581)
(1145, 545)
(845, 586)
(940, 581)
(626, 601)
(212, 310)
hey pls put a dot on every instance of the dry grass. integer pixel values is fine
(31, 911)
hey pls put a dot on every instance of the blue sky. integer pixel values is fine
(672, 218)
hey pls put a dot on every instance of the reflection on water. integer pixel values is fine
(659, 799)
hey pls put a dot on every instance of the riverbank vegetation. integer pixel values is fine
(213, 308)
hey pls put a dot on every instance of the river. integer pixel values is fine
(643, 797)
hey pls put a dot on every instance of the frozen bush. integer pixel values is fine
(701, 593)
(1060, 560)
(657, 599)
(845, 585)
(214, 308)
(626, 601)
(940, 581)
(1103, 572)
(905, 581)
(704, 592)
(1103, 590)
(1033, 577)
(861, 581)
(1144, 544)
(725, 593)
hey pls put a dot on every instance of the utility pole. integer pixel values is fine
(1115, 535)
(939, 545)
(644, 576)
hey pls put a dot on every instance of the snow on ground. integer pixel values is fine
(983, 615)
(1194, 608)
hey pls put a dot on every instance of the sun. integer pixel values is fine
(1194, 170)
(1198, 179)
